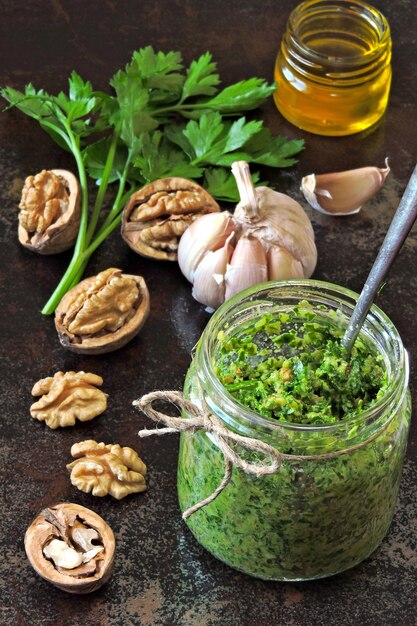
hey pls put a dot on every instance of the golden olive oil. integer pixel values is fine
(333, 71)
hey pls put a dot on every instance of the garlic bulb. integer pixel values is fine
(343, 193)
(269, 237)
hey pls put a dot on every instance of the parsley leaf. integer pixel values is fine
(132, 114)
(240, 132)
(60, 114)
(213, 141)
(157, 70)
(273, 151)
(202, 135)
(209, 139)
(222, 185)
(157, 158)
(202, 78)
(31, 102)
(242, 96)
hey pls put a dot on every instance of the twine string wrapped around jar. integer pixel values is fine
(203, 420)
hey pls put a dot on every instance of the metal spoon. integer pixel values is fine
(400, 226)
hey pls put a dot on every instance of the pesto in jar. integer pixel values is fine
(311, 518)
(292, 367)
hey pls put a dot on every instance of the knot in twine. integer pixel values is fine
(202, 419)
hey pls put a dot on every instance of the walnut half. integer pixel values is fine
(106, 469)
(49, 215)
(102, 313)
(67, 397)
(71, 547)
(157, 215)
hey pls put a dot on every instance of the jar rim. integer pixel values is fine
(341, 296)
(359, 9)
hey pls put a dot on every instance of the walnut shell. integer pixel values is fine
(61, 233)
(58, 522)
(157, 215)
(96, 316)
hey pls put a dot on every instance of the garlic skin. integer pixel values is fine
(343, 193)
(269, 237)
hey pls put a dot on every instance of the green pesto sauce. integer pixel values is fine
(313, 518)
(292, 367)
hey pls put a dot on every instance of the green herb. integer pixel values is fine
(131, 136)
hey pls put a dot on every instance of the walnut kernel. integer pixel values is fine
(67, 397)
(106, 469)
(44, 198)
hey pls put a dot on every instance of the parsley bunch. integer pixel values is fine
(135, 135)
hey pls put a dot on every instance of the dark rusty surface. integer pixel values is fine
(161, 575)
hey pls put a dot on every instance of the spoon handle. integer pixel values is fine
(400, 226)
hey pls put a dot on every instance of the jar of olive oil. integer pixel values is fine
(333, 71)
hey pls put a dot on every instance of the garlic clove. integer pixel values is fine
(207, 233)
(248, 266)
(248, 251)
(209, 285)
(343, 193)
(282, 265)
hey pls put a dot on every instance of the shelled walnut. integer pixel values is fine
(71, 547)
(102, 313)
(49, 215)
(67, 397)
(157, 215)
(106, 469)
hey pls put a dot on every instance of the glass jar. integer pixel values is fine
(312, 518)
(333, 70)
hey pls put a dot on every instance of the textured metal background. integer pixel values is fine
(161, 575)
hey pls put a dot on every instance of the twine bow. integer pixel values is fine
(203, 419)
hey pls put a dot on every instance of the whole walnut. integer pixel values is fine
(50, 212)
(157, 215)
(102, 313)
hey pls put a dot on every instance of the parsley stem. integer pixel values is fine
(65, 281)
(103, 186)
(78, 274)
(120, 199)
(56, 130)
(102, 234)
(179, 107)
